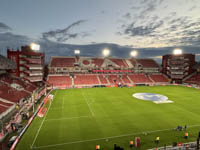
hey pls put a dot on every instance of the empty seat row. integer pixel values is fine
(60, 81)
(158, 78)
(86, 80)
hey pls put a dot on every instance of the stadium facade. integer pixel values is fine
(177, 67)
(30, 64)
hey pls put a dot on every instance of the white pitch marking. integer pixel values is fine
(63, 102)
(87, 103)
(111, 137)
(41, 124)
(67, 118)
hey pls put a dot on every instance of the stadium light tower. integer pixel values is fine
(177, 51)
(106, 52)
(133, 53)
(35, 47)
(76, 51)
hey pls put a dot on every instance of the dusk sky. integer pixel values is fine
(133, 24)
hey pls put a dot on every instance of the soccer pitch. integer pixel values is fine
(78, 119)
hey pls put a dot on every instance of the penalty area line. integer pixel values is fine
(111, 137)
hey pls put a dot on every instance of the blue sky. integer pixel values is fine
(131, 23)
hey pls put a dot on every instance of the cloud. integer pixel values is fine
(192, 8)
(135, 7)
(13, 41)
(133, 30)
(102, 12)
(149, 6)
(127, 16)
(59, 49)
(143, 1)
(143, 12)
(180, 20)
(4, 27)
(147, 28)
(63, 35)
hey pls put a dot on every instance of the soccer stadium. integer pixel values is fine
(99, 75)
(98, 102)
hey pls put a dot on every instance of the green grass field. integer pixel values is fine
(78, 119)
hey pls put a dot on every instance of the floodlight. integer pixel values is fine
(106, 52)
(134, 53)
(76, 51)
(35, 47)
(177, 51)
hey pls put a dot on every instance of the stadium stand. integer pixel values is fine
(125, 79)
(139, 78)
(18, 82)
(12, 94)
(60, 81)
(98, 62)
(114, 79)
(86, 62)
(158, 78)
(86, 80)
(80, 71)
(120, 62)
(132, 62)
(147, 63)
(4, 106)
(17, 94)
(62, 62)
(102, 79)
(195, 79)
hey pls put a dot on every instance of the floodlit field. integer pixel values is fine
(78, 119)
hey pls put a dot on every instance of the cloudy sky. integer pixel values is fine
(127, 24)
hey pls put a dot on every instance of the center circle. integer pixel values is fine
(150, 97)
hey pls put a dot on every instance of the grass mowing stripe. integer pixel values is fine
(87, 103)
(111, 137)
(67, 118)
(41, 124)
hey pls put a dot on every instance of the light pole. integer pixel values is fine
(35, 47)
(106, 52)
(133, 53)
(177, 51)
(77, 52)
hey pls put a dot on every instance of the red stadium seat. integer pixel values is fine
(86, 80)
(60, 81)
(103, 80)
(139, 78)
(158, 78)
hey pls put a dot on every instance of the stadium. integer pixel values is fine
(103, 102)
